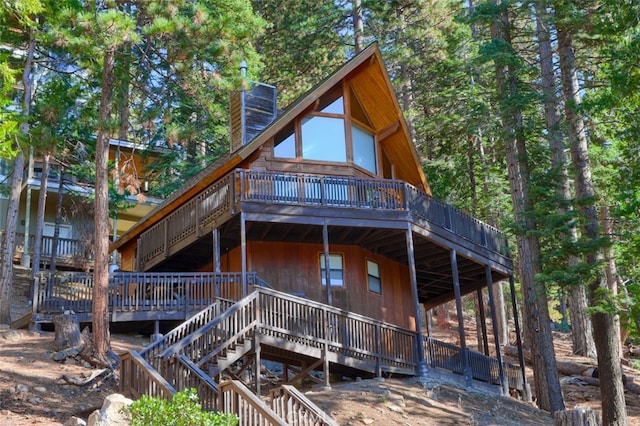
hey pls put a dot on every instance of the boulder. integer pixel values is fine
(112, 413)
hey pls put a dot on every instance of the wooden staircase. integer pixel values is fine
(214, 348)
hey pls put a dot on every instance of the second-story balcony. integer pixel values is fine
(298, 198)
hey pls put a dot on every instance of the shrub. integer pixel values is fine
(183, 410)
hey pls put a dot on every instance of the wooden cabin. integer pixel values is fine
(331, 191)
(314, 242)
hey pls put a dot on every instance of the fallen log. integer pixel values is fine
(564, 367)
(588, 372)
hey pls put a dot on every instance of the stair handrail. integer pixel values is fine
(179, 347)
(293, 406)
(408, 359)
(186, 328)
(152, 383)
(237, 399)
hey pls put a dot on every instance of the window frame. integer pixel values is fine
(321, 264)
(370, 276)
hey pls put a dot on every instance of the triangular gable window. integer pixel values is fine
(357, 111)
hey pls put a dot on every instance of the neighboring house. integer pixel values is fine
(75, 230)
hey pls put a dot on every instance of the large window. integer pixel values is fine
(321, 134)
(336, 270)
(364, 148)
(373, 277)
(323, 139)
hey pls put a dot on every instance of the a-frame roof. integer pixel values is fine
(369, 81)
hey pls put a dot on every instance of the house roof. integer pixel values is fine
(369, 80)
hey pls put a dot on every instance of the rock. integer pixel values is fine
(35, 401)
(395, 408)
(367, 421)
(12, 336)
(397, 400)
(75, 421)
(110, 414)
(40, 389)
(22, 388)
(5, 327)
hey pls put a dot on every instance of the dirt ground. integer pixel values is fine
(33, 391)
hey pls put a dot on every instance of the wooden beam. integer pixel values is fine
(388, 131)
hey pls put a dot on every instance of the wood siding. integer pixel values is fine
(295, 269)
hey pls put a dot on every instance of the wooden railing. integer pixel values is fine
(219, 201)
(290, 404)
(68, 251)
(481, 367)
(236, 398)
(133, 292)
(213, 340)
(185, 329)
(138, 377)
(345, 334)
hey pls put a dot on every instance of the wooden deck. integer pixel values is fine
(70, 253)
(137, 296)
(262, 194)
(225, 333)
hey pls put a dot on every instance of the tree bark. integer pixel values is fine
(547, 384)
(42, 200)
(56, 230)
(358, 25)
(606, 335)
(101, 222)
(8, 245)
(583, 343)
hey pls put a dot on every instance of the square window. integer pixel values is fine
(336, 270)
(373, 277)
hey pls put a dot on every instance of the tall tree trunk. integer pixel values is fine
(611, 269)
(547, 384)
(606, 335)
(358, 25)
(42, 200)
(583, 343)
(101, 222)
(8, 246)
(56, 229)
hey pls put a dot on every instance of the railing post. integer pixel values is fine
(378, 338)
(407, 205)
(325, 349)
(166, 239)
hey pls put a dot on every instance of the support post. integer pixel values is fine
(421, 362)
(215, 235)
(483, 323)
(327, 263)
(496, 334)
(243, 253)
(516, 321)
(466, 370)
(258, 362)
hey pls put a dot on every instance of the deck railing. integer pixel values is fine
(219, 201)
(69, 251)
(481, 367)
(133, 292)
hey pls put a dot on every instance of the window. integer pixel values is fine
(373, 277)
(285, 144)
(364, 149)
(323, 139)
(336, 270)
